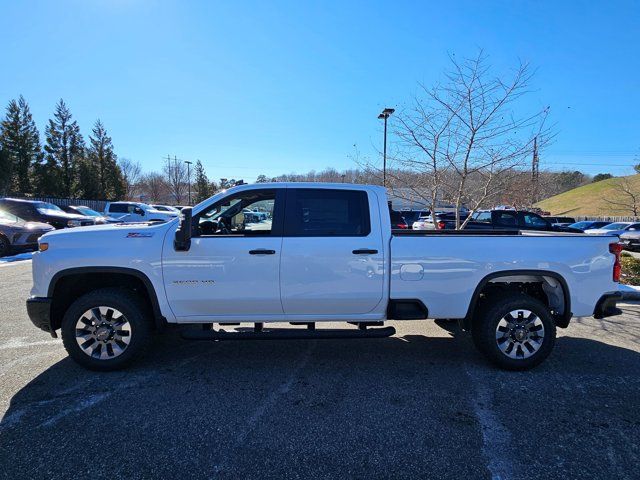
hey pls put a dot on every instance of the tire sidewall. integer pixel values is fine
(486, 331)
(121, 300)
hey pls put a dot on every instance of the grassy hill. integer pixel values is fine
(590, 199)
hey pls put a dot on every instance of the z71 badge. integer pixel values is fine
(140, 234)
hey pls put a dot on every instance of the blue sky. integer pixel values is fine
(278, 87)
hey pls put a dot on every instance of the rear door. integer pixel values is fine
(332, 253)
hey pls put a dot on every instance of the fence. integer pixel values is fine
(605, 218)
(97, 205)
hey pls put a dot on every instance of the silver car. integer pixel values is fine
(17, 234)
(630, 240)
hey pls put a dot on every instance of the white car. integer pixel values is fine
(617, 228)
(133, 212)
(166, 208)
(328, 255)
(424, 223)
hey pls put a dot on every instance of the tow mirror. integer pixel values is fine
(182, 241)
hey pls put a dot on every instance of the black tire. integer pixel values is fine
(5, 247)
(130, 306)
(486, 323)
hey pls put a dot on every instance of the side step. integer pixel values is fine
(287, 334)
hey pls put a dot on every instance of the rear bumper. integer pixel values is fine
(606, 306)
(39, 311)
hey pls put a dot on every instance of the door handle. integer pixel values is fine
(364, 251)
(261, 251)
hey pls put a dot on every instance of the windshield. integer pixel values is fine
(44, 207)
(87, 211)
(615, 226)
(8, 217)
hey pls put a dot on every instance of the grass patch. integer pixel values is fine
(630, 269)
(589, 199)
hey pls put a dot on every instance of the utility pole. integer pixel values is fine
(189, 178)
(386, 113)
(535, 170)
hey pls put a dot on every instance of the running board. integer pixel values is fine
(288, 334)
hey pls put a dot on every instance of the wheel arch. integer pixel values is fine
(516, 277)
(67, 285)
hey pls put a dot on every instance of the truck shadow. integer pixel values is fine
(305, 399)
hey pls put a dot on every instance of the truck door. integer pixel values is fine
(232, 267)
(332, 253)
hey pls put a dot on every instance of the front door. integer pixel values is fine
(332, 253)
(232, 267)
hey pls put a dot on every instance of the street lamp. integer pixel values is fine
(386, 113)
(189, 178)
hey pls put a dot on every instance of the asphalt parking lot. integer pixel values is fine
(420, 404)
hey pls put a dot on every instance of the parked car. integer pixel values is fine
(82, 210)
(17, 234)
(397, 220)
(617, 228)
(132, 212)
(630, 240)
(36, 211)
(330, 255)
(411, 216)
(510, 220)
(443, 220)
(589, 224)
(166, 208)
(562, 221)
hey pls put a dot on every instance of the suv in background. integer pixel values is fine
(36, 211)
(131, 212)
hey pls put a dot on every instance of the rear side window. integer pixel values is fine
(119, 208)
(325, 212)
(484, 217)
(506, 219)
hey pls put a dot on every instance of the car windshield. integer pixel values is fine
(44, 207)
(7, 217)
(615, 226)
(88, 212)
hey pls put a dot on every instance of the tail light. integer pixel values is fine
(440, 225)
(616, 249)
(402, 225)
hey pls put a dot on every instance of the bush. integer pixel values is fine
(630, 270)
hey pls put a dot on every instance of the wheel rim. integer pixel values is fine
(103, 333)
(520, 334)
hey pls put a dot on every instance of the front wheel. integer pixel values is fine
(516, 332)
(106, 329)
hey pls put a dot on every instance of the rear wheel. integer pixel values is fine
(4, 246)
(516, 332)
(106, 329)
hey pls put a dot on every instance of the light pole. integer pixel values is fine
(386, 113)
(189, 178)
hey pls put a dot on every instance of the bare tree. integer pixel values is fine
(154, 187)
(131, 171)
(176, 175)
(627, 199)
(463, 138)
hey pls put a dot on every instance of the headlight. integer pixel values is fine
(74, 223)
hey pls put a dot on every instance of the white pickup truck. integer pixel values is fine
(318, 253)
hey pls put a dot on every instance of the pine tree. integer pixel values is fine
(5, 170)
(202, 184)
(20, 140)
(64, 152)
(103, 162)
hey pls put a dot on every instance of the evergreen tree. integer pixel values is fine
(5, 172)
(20, 141)
(202, 184)
(103, 163)
(64, 151)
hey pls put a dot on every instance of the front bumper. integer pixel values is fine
(39, 311)
(606, 306)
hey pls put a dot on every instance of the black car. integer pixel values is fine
(589, 224)
(412, 215)
(511, 220)
(37, 211)
(397, 220)
(82, 210)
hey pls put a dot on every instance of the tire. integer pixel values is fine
(119, 338)
(510, 337)
(5, 247)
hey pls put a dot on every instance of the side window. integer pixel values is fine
(534, 221)
(506, 219)
(118, 208)
(324, 212)
(484, 217)
(247, 213)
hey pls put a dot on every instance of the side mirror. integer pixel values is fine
(138, 211)
(182, 240)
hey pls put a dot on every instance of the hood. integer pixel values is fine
(28, 226)
(634, 235)
(111, 231)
